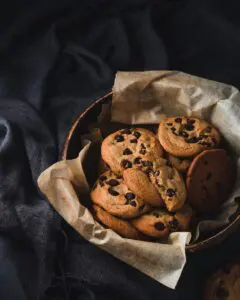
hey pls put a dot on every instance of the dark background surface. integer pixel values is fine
(56, 57)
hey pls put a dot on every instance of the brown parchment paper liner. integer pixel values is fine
(146, 98)
(163, 262)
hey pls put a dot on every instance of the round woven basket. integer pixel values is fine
(72, 146)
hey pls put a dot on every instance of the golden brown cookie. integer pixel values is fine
(159, 222)
(224, 284)
(122, 227)
(127, 148)
(161, 186)
(209, 180)
(170, 186)
(179, 163)
(111, 193)
(140, 184)
(187, 136)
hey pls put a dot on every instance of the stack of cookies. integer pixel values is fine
(155, 182)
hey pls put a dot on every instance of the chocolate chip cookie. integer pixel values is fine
(224, 284)
(122, 227)
(131, 148)
(111, 193)
(140, 184)
(170, 185)
(179, 163)
(209, 180)
(160, 223)
(161, 186)
(187, 136)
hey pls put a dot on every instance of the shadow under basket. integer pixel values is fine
(72, 146)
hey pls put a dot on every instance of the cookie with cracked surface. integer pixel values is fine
(140, 184)
(209, 180)
(122, 227)
(127, 148)
(111, 193)
(171, 187)
(224, 284)
(160, 223)
(187, 136)
(179, 163)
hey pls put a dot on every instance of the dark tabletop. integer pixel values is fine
(56, 57)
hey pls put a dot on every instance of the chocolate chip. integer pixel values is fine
(169, 124)
(102, 177)
(183, 134)
(155, 214)
(192, 140)
(148, 171)
(137, 134)
(112, 182)
(113, 192)
(101, 183)
(178, 120)
(127, 151)
(157, 172)
(126, 131)
(147, 163)
(137, 160)
(221, 292)
(170, 192)
(203, 136)
(142, 206)
(191, 121)
(119, 138)
(129, 196)
(159, 226)
(189, 127)
(143, 146)
(209, 175)
(134, 141)
(173, 129)
(174, 223)
(142, 151)
(205, 144)
(133, 203)
(126, 164)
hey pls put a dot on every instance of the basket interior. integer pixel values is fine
(73, 145)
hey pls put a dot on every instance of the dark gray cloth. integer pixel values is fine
(56, 57)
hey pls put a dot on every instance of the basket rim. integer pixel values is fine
(215, 239)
